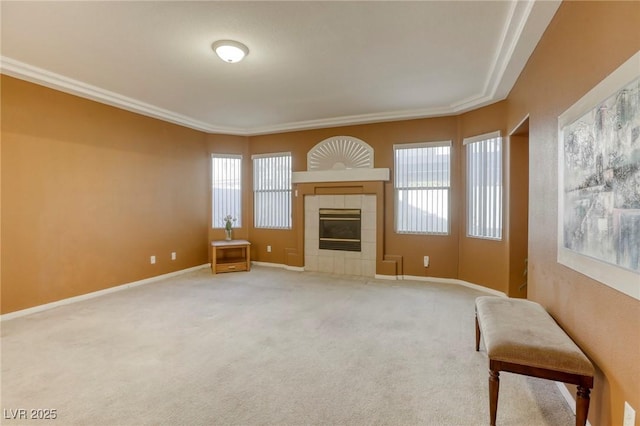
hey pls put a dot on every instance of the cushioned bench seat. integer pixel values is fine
(521, 337)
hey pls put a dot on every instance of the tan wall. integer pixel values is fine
(483, 261)
(475, 260)
(226, 144)
(443, 250)
(279, 240)
(584, 43)
(90, 192)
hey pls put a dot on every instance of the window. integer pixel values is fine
(226, 181)
(422, 185)
(484, 186)
(272, 190)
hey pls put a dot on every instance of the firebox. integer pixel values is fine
(340, 229)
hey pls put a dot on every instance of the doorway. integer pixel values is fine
(519, 209)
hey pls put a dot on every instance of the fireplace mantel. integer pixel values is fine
(344, 175)
(340, 173)
(340, 159)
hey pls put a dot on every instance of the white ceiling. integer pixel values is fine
(311, 63)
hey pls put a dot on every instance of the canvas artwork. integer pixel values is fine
(599, 181)
(602, 180)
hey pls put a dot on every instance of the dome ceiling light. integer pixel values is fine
(230, 50)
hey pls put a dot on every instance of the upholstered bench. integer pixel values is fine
(521, 337)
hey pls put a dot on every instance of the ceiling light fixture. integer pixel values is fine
(230, 51)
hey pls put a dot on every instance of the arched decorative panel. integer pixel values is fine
(340, 153)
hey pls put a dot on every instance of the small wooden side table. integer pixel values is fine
(230, 256)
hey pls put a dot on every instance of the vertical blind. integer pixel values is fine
(272, 190)
(422, 185)
(484, 186)
(226, 177)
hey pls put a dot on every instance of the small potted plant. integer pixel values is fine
(228, 227)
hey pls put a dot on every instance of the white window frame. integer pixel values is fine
(235, 210)
(397, 189)
(485, 208)
(279, 216)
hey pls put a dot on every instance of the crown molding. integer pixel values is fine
(518, 15)
(473, 102)
(23, 71)
(350, 120)
(526, 24)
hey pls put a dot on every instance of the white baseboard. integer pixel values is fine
(278, 265)
(457, 281)
(569, 398)
(442, 280)
(294, 268)
(268, 264)
(387, 277)
(98, 293)
(399, 277)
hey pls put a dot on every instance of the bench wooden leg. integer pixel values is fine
(477, 334)
(494, 386)
(582, 406)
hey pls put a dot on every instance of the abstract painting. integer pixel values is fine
(599, 182)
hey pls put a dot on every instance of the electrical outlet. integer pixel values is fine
(152, 259)
(629, 415)
(426, 261)
(268, 249)
(173, 255)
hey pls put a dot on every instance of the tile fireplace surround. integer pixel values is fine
(336, 261)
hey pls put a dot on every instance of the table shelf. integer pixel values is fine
(230, 256)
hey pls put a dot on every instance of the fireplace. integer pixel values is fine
(340, 229)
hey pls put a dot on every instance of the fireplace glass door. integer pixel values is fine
(340, 229)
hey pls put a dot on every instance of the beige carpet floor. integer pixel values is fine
(267, 347)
